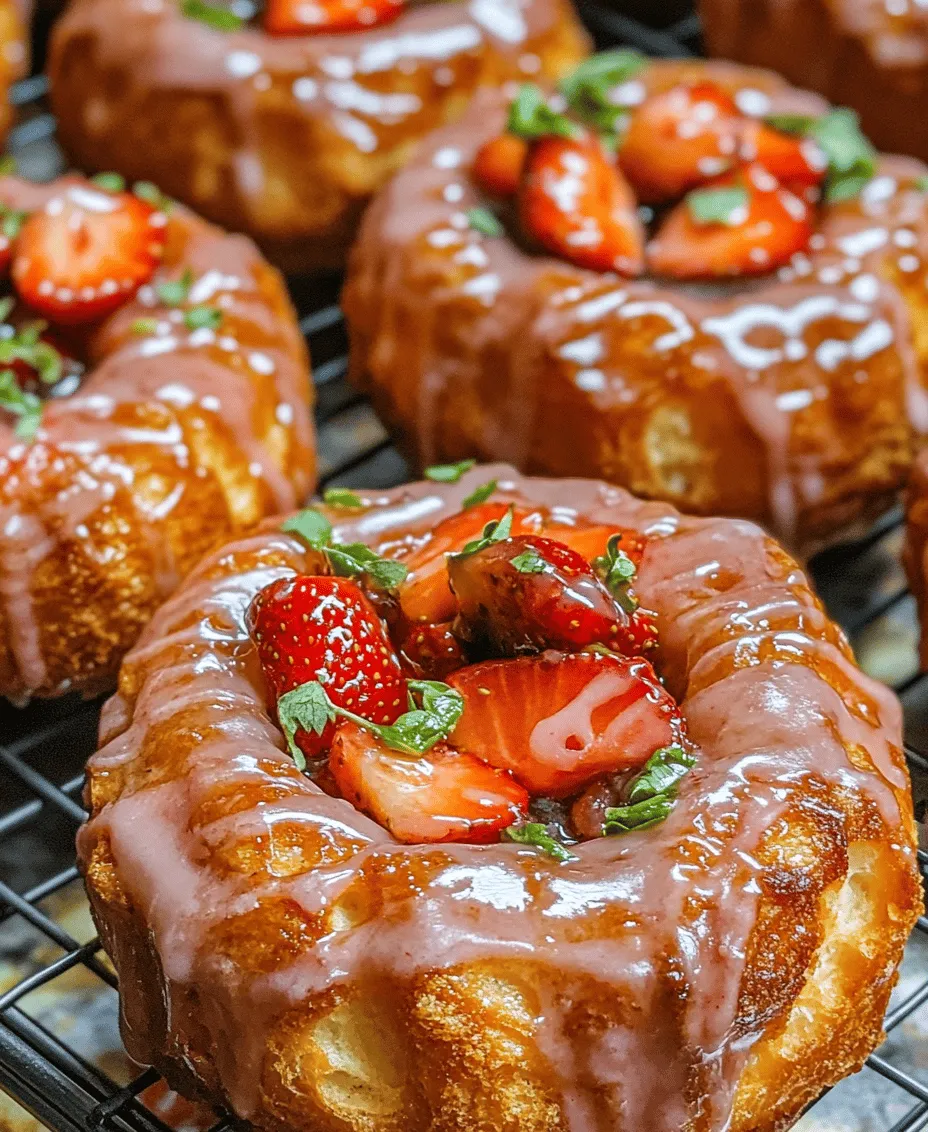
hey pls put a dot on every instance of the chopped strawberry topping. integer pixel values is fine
(299, 17)
(444, 795)
(432, 651)
(86, 252)
(772, 227)
(559, 721)
(576, 204)
(793, 161)
(679, 139)
(529, 593)
(499, 164)
(319, 628)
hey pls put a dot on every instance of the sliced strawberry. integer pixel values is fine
(680, 138)
(499, 164)
(777, 224)
(591, 542)
(446, 795)
(528, 593)
(304, 17)
(575, 203)
(793, 161)
(559, 721)
(432, 652)
(313, 628)
(86, 252)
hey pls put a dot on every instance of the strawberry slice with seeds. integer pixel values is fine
(557, 721)
(499, 164)
(446, 795)
(680, 138)
(320, 628)
(574, 201)
(299, 17)
(793, 161)
(86, 253)
(432, 651)
(770, 226)
(530, 593)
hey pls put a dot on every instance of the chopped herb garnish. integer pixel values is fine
(221, 18)
(26, 346)
(719, 206)
(851, 158)
(588, 89)
(342, 497)
(495, 531)
(652, 793)
(144, 326)
(534, 833)
(618, 572)
(530, 116)
(448, 473)
(483, 220)
(7, 165)
(414, 733)
(922, 184)
(797, 124)
(25, 407)
(110, 182)
(149, 192)
(11, 221)
(175, 291)
(480, 494)
(199, 318)
(348, 561)
(530, 562)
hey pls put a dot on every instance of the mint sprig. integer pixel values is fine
(203, 318)
(343, 498)
(726, 206)
(347, 560)
(480, 494)
(531, 117)
(618, 572)
(652, 793)
(530, 562)
(448, 473)
(851, 158)
(220, 18)
(25, 407)
(535, 833)
(175, 291)
(110, 182)
(415, 732)
(484, 221)
(497, 530)
(588, 88)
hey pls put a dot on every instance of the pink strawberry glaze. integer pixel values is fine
(764, 733)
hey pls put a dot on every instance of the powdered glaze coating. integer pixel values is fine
(868, 54)
(809, 382)
(176, 438)
(279, 952)
(284, 137)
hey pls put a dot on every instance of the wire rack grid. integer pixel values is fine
(50, 1058)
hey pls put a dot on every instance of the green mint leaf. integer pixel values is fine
(719, 206)
(618, 572)
(530, 562)
(149, 192)
(110, 182)
(448, 473)
(846, 186)
(588, 88)
(495, 531)
(851, 157)
(530, 116)
(483, 220)
(480, 494)
(26, 346)
(220, 18)
(7, 165)
(342, 497)
(652, 793)
(355, 558)
(922, 184)
(144, 326)
(311, 526)
(175, 292)
(643, 815)
(534, 833)
(306, 706)
(25, 407)
(798, 125)
(11, 221)
(199, 318)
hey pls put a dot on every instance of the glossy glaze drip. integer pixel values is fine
(151, 401)
(770, 716)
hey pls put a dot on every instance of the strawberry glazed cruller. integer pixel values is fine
(500, 803)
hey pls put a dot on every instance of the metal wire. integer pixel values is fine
(40, 763)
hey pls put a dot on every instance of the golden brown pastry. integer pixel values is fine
(390, 961)
(284, 136)
(167, 405)
(692, 371)
(871, 55)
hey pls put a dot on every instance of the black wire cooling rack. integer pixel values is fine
(59, 1050)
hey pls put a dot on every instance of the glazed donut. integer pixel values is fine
(179, 417)
(791, 398)
(284, 137)
(857, 53)
(283, 955)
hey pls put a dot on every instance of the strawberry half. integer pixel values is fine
(530, 593)
(775, 225)
(446, 795)
(574, 201)
(304, 17)
(86, 252)
(680, 138)
(793, 161)
(499, 164)
(432, 651)
(559, 721)
(314, 628)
